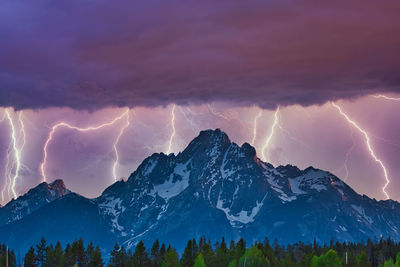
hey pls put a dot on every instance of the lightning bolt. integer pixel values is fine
(171, 138)
(121, 132)
(387, 97)
(15, 148)
(346, 160)
(192, 124)
(255, 126)
(288, 134)
(368, 143)
(66, 125)
(271, 134)
(7, 174)
(212, 110)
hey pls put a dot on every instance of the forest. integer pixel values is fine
(383, 252)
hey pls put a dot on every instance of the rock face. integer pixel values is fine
(215, 188)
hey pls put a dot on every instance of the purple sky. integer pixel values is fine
(85, 62)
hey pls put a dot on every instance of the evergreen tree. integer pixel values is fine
(78, 251)
(50, 259)
(155, 255)
(12, 259)
(68, 258)
(114, 260)
(287, 261)
(188, 256)
(57, 254)
(170, 258)
(195, 247)
(268, 252)
(41, 252)
(118, 256)
(95, 259)
(140, 257)
(89, 250)
(208, 254)
(233, 263)
(397, 264)
(329, 259)
(30, 258)
(362, 260)
(253, 257)
(221, 254)
(162, 251)
(388, 263)
(199, 261)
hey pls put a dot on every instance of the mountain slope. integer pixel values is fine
(216, 188)
(65, 219)
(32, 200)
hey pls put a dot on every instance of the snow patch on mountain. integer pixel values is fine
(113, 207)
(295, 186)
(150, 167)
(360, 210)
(171, 188)
(318, 187)
(287, 198)
(243, 216)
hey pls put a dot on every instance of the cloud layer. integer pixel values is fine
(94, 54)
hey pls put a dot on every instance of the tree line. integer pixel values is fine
(201, 253)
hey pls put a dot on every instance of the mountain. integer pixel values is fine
(68, 218)
(213, 188)
(31, 201)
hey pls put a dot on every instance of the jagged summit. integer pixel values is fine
(242, 195)
(59, 186)
(213, 188)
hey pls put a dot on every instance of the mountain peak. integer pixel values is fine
(59, 186)
(208, 140)
(212, 136)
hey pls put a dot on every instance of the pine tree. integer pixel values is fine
(81, 256)
(155, 256)
(118, 256)
(50, 259)
(397, 264)
(68, 258)
(208, 254)
(187, 259)
(195, 247)
(268, 252)
(253, 257)
(57, 254)
(199, 262)
(221, 254)
(362, 259)
(388, 263)
(114, 261)
(170, 258)
(89, 250)
(12, 259)
(140, 256)
(30, 258)
(95, 259)
(41, 254)
(162, 251)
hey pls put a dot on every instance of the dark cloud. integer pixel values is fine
(92, 54)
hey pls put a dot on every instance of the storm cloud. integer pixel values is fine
(96, 54)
